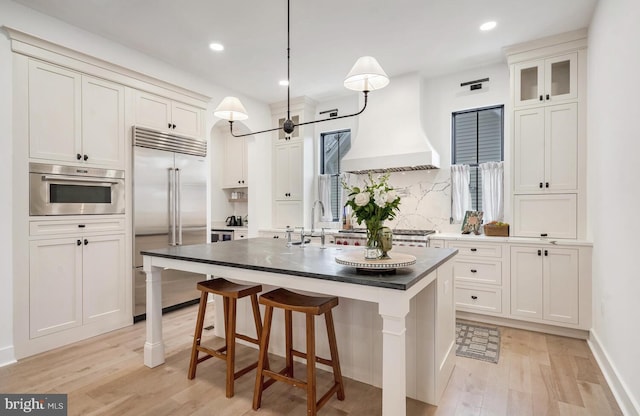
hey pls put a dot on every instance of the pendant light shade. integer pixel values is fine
(366, 75)
(231, 109)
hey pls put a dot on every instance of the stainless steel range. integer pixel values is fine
(410, 238)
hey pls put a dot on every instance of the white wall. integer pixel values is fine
(53, 30)
(613, 198)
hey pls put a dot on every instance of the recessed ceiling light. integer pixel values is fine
(218, 47)
(284, 82)
(488, 26)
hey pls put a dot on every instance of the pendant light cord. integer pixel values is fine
(288, 63)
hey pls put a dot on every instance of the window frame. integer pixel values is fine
(476, 187)
(337, 213)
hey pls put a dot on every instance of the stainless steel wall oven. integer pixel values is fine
(74, 190)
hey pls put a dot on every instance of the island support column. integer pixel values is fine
(393, 310)
(153, 346)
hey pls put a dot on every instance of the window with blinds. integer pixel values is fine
(334, 146)
(478, 137)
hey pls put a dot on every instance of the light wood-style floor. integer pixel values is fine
(537, 375)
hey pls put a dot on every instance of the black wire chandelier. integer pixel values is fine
(366, 75)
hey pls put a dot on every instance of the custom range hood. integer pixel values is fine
(390, 136)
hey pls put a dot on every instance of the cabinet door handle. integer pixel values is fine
(539, 252)
(78, 156)
(548, 97)
(173, 126)
(546, 184)
(86, 157)
(473, 249)
(78, 242)
(546, 252)
(86, 241)
(541, 98)
(474, 271)
(474, 297)
(540, 185)
(169, 125)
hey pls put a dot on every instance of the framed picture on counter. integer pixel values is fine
(472, 222)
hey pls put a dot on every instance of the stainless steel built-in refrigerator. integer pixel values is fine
(169, 188)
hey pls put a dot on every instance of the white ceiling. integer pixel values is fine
(327, 36)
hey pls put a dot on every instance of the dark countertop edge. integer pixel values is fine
(366, 280)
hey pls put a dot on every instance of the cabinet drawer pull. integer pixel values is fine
(544, 235)
(473, 249)
(474, 271)
(81, 225)
(474, 297)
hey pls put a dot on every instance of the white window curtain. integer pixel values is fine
(350, 179)
(324, 195)
(460, 193)
(492, 174)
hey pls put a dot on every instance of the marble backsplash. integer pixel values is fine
(425, 200)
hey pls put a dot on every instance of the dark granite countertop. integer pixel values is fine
(272, 255)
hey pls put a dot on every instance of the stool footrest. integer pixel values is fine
(281, 377)
(318, 359)
(245, 370)
(324, 399)
(248, 339)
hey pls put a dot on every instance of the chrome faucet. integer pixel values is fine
(313, 214)
(301, 236)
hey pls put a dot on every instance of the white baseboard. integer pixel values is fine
(519, 324)
(627, 403)
(7, 356)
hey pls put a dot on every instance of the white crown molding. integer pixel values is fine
(35, 47)
(547, 46)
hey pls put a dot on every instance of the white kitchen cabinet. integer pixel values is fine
(103, 278)
(545, 283)
(103, 130)
(287, 214)
(55, 285)
(76, 281)
(480, 271)
(163, 114)
(288, 171)
(544, 81)
(234, 173)
(75, 118)
(546, 149)
(552, 216)
(55, 100)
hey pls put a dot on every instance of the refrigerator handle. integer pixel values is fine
(172, 208)
(178, 188)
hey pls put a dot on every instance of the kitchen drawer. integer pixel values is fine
(478, 299)
(433, 243)
(75, 227)
(476, 249)
(477, 271)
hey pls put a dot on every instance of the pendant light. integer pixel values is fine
(366, 75)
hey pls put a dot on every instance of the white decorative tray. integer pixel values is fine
(356, 259)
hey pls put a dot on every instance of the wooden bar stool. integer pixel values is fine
(230, 293)
(310, 306)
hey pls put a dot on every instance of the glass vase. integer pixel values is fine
(372, 250)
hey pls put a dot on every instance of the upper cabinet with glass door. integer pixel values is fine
(546, 81)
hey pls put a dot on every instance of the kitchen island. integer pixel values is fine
(395, 331)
